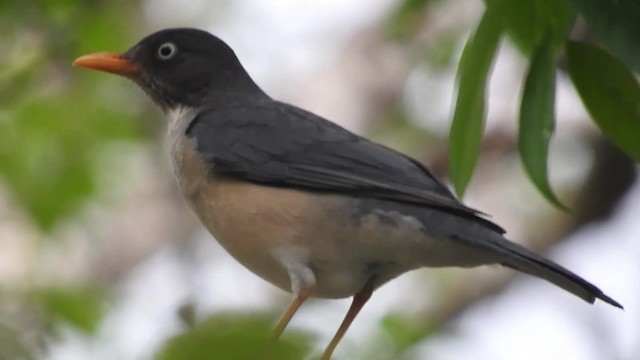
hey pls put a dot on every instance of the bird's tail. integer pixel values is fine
(521, 259)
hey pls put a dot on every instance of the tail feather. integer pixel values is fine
(521, 259)
(532, 264)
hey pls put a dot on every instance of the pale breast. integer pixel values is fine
(258, 224)
(250, 221)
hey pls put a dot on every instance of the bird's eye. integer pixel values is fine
(167, 50)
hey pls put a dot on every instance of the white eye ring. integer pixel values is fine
(167, 50)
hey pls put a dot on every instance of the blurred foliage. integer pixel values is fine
(51, 127)
(235, 336)
(530, 23)
(81, 308)
(11, 347)
(400, 133)
(539, 28)
(407, 18)
(53, 130)
(617, 25)
(404, 331)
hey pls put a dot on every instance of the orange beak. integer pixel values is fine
(109, 62)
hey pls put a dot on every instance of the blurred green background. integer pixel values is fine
(90, 217)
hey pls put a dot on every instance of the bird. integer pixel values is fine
(303, 203)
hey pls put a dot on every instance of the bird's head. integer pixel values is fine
(178, 68)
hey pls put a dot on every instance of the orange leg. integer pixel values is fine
(359, 299)
(295, 305)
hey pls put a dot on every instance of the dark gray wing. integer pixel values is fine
(276, 144)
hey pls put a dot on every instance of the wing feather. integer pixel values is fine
(276, 144)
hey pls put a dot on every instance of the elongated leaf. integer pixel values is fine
(617, 24)
(609, 92)
(468, 117)
(537, 118)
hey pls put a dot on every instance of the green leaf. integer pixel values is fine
(528, 22)
(234, 337)
(49, 150)
(610, 93)
(617, 24)
(537, 118)
(80, 307)
(468, 117)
